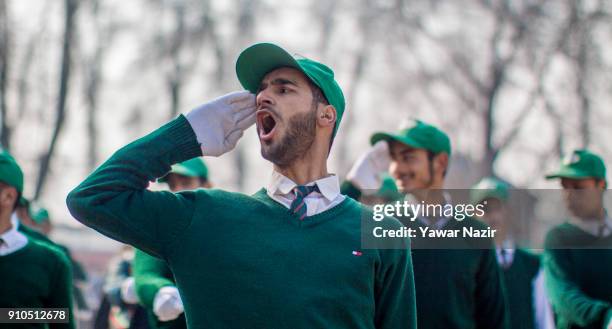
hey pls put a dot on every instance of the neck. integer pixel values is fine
(305, 169)
(598, 215)
(430, 196)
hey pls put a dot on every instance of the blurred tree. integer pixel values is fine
(367, 11)
(5, 129)
(247, 10)
(104, 31)
(510, 55)
(70, 8)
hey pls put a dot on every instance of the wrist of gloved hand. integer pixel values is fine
(219, 124)
(167, 304)
(367, 171)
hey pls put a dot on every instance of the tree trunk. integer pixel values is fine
(70, 9)
(5, 131)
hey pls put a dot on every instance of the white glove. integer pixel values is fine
(167, 304)
(128, 291)
(366, 172)
(220, 123)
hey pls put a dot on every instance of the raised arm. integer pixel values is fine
(114, 199)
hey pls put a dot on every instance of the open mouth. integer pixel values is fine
(266, 122)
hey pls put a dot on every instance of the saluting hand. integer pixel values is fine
(367, 171)
(219, 124)
(167, 304)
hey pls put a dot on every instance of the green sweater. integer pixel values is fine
(578, 277)
(78, 273)
(459, 286)
(518, 280)
(36, 276)
(244, 261)
(151, 274)
(458, 282)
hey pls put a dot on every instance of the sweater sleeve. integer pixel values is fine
(114, 199)
(491, 303)
(60, 295)
(150, 276)
(567, 299)
(395, 289)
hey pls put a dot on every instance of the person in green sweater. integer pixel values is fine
(33, 274)
(458, 281)
(288, 256)
(523, 278)
(578, 254)
(34, 221)
(155, 285)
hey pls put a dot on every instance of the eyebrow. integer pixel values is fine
(277, 82)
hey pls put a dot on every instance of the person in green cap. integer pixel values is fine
(154, 282)
(523, 278)
(33, 274)
(578, 253)
(458, 283)
(187, 175)
(288, 256)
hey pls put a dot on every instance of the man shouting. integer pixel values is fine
(288, 256)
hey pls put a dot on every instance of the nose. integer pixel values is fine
(264, 97)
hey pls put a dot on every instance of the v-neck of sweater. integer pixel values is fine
(346, 205)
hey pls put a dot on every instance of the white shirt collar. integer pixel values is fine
(594, 226)
(508, 246)
(13, 241)
(329, 186)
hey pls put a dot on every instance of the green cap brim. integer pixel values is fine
(392, 137)
(258, 60)
(569, 173)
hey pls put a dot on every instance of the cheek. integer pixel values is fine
(420, 169)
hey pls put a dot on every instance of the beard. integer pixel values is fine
(295, 143)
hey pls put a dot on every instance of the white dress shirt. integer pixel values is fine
(12, 240)
(594, 227)
(280, 189)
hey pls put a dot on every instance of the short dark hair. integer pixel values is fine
(430, 156)
(319, 97)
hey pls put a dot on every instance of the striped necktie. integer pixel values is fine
(298, 206)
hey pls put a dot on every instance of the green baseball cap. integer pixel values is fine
(191, 168)
(260, 59)
(580, 164)
(489, 187)
(418, 135)
(10, 173)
